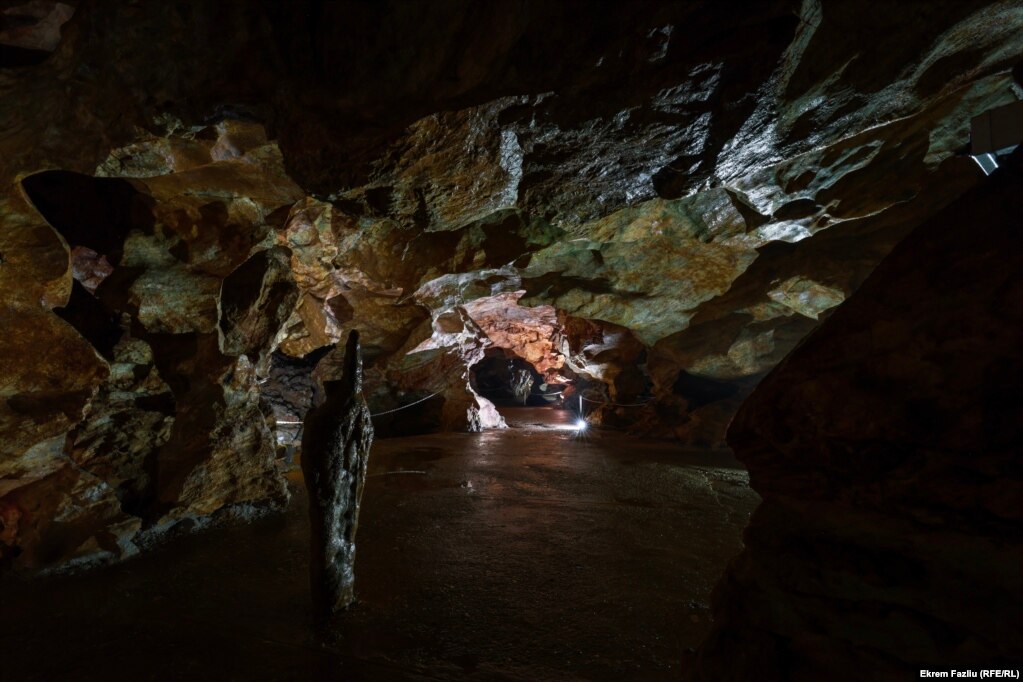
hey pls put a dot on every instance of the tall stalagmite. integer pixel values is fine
(336, 440)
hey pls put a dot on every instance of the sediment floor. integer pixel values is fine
(531, 553)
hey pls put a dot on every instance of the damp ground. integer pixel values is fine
(531, 553)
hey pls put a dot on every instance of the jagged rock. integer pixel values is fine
(466, 410)
(336, 440)
(685, 189)
(287, 392)
(530, 333)
(50, 376)
(89, 268)
(723, 197)
(521, 384)
(255, 302)
(646, 268)
(173, 287)
(31, 30)
(886, 450)
(440, 365)
(350, 274)
(661, 266)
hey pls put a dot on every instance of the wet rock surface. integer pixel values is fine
(661, 198)
(173, 302)
(886, 448)
(716, 208)
(336, 439)
(512, 554)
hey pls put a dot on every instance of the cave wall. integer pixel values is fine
(683, 189)
(716, 191)
(155, 422)
(886, 448)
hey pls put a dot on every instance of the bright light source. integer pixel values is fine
(578, 426)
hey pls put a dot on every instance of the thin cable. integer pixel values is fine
(393, 473)
(608, 402)
(385, 412)
(409, 405)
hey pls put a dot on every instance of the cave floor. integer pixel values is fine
(520, 554)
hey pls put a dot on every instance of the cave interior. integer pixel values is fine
(691, 337)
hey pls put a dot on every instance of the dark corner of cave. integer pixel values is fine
(634, 340)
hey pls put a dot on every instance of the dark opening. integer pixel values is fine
(97, 213)
(507, 381)
(699, 391)
(12, 56)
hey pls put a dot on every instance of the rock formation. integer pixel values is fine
(716, 209)
(179, 302)
(656, 201)
(886, 449)
(336, 440)
(522, 384)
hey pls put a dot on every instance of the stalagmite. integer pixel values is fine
(522, 385)
(335, 450)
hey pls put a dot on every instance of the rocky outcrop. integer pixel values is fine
(30, 31)
(656, 201)
(529, 333)
(335, 455)
(718, 206)
(886, 449)
(176, 301)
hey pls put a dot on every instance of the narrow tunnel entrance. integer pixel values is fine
(509, 381)
(525, 398)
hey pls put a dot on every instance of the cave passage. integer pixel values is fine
(507, 380)
(608, 264)
(523, 553)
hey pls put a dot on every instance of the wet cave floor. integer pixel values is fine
(521, 554)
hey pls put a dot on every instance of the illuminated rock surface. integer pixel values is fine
(336, 440)
(886, 449)
(651, 204)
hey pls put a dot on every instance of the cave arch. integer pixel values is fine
(506, 379)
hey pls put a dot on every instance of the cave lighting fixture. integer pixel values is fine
(578, 426)
(996, 132)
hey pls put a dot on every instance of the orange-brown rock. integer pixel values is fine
(144, 393)
(671, 194)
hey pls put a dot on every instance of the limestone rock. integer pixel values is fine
(336, 440)
(466, 410)
(161, 423)
(716, 208)
(886, 450)
(530, 333)
(255, 302)
(31, 30)
(682, 190)
(350, 274)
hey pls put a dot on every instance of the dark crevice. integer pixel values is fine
(12, 56)
(752, 217)
(97, 213)
(699, 391)
(92, 319)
